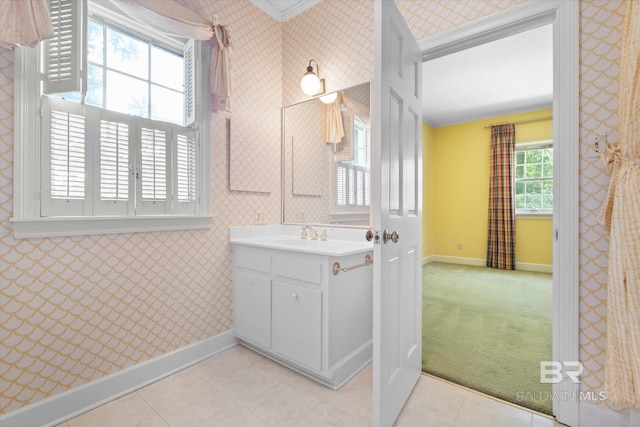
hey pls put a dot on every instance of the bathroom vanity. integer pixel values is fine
(295, 303)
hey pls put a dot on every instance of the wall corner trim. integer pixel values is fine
(58, 408)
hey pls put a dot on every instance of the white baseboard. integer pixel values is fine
(599, 415)
(524, 266)
(56, 409)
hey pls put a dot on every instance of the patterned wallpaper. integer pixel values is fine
(76, 309)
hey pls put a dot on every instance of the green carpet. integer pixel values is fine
(488, 330)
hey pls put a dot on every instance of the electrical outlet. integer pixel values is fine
(258, 217)
(459, 246)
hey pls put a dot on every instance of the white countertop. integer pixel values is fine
(340, 242)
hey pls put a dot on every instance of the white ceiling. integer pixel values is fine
(510, 75)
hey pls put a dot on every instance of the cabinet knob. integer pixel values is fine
(294, 295)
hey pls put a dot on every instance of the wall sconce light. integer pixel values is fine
(328, 99)
(311, 84)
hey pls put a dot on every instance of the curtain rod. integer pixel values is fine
(520, 121)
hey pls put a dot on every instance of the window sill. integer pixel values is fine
(534, 215)
(24, 228)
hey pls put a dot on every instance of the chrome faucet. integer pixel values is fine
(312, 232)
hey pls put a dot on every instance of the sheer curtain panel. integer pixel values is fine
(173, 18)
(24, 22)
(621, 216)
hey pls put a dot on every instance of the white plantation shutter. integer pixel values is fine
(112, 176)
(64, 158)
(114, 161)
(186, 169)
(152, 164)
(63, 53)
(189, 83)
(341, 185)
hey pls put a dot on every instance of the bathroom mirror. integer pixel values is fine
(328, 182)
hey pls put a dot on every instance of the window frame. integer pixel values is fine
(351, 212)
(524, 146)
(28, 120)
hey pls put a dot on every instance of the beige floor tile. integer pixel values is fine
(128, 411)
(356, 398)
(241, 417)
(326, 415)
(185, 400)
(225, 362)
(282, 405)
(480, 411)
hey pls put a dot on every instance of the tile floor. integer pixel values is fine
(240, 388)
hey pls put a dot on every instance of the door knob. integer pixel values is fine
(394, 236)
(369, 235)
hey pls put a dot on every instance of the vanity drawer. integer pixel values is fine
(306, 271)
(252, 258)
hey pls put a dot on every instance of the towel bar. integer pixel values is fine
(337, 269)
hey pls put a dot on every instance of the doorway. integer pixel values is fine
(484, 328)
(565, 125)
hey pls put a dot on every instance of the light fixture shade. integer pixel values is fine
(310, 83)
(328, 99)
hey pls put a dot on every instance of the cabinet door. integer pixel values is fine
(253, 308)
(297, 324)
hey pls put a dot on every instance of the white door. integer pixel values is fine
(397, 292)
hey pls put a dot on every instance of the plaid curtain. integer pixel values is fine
(501, 242)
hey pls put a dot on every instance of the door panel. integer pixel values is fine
(397, 335)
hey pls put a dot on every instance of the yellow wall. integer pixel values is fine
(428, 144)
(456, 165)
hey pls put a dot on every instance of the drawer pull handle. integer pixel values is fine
(337, 269)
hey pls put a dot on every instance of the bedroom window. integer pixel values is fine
(115, 137)
(534, 178)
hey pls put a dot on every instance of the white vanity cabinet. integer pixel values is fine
(290, 307)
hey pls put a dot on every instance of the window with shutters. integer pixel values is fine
(352, 186)
(114, 122)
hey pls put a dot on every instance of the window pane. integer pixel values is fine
(534, 171)
(520, 202)
(126, 95)
(166, 105)
(519, 187)
(533, 201)
(547, 170)
(167, 68)
(95, 86)
(519, 171)
(547, 201)
(95, 42)
(547, 187)
(534, 187)
(127, 54)
(547, 155)
(520, 158)
(534, 156)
